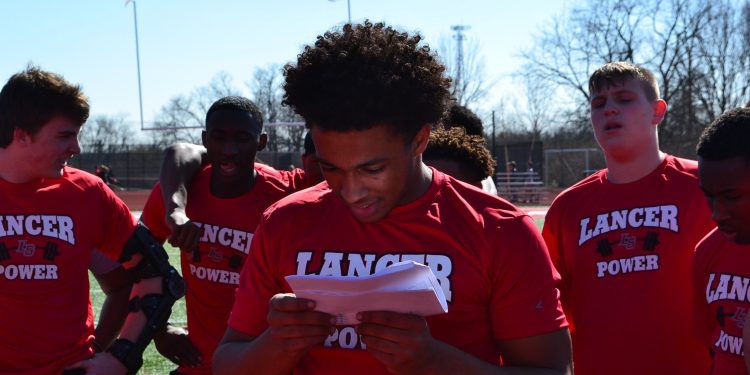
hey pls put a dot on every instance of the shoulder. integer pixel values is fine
(464, 210)
(281, 180)
(681, 168)
(306, 203)
(581, 189)
(709, 245)
(81, 180)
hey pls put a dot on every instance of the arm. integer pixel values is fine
(116, 285)
(157, 287)
(174, 344)
(182, 161)
(293, 328)
(402, 342)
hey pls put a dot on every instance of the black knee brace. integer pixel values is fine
(156, 307)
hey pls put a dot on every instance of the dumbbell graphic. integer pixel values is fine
(604, 246)
(235, 261)
(51, 250)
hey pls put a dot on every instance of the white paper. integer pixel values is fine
(405, 287)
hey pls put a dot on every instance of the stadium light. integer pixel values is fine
(137, 60)
(348, 9)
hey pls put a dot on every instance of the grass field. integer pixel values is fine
(153, 362)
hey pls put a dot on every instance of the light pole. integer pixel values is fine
(348, 9)
(137, 60)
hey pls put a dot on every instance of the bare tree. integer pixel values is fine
(693, 48)
(268, 91)
(106, 134)
(182, 119)
(470, 85)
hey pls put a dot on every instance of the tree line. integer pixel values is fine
(698, 50)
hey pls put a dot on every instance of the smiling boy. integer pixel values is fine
(369, 95)
(721, 273)
(623, 239)
(228, 196)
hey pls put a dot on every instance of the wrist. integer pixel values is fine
(124, 351)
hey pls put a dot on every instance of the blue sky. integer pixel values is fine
(185, 43)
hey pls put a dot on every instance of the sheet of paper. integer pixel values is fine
(405, 287)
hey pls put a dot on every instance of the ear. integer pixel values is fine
(22, 136)
(419, 143)
(262, 141)
(660, 109)
(203, 138)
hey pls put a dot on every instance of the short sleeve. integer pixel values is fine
(524, 299)
(552, 234)
(257, 285)
(117, 223)
(153, 215)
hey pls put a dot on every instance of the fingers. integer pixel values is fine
(288, 302)
(187, 354)
(175, 345)
(185, 236)
(295, 326)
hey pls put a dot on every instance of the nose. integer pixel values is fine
(719, 211)
(352, 190)
(230, 148)
(610, 108)
(75, 147)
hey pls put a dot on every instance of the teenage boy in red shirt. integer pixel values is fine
(623, 239)
(369, 95)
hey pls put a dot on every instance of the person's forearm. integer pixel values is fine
(113, 312)
(258, 356)
(180, 164)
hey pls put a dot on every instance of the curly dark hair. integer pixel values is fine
(33, 97)
(468, 150)
(727, 137)
(364, 75)
(237, 103)
(459, 115)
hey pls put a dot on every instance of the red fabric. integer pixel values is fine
(488, 256)
(721, 275)
(630, 310)
(47, 320)
(228, 229)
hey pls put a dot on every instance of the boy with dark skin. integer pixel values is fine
(460, 155)
(228, 196)
(387, 91)
(720, 269)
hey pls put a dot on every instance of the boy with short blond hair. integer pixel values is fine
(623, 239)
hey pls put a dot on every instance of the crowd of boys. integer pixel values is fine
(614, 283)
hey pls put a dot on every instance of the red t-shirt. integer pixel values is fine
(212, 275)
(48, 229)
(487, 255)
(624, 252)
(721, 275)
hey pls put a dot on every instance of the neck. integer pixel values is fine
(232, 189)
(625, 170)
(419, 183)
(11, 167)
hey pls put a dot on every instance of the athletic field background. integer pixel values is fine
(153, 362)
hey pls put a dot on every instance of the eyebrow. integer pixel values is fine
(361, 165)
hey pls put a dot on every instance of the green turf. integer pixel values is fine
(153, 362)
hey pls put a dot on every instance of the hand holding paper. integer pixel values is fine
(405, 287)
